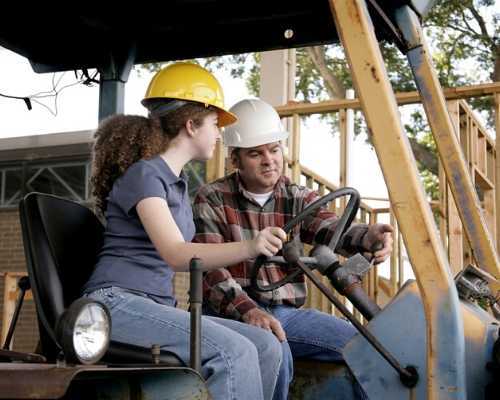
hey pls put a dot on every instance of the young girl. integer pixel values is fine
(141, 190)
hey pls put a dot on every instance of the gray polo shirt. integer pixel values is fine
(128, 258)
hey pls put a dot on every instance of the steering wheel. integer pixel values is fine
(343, 224)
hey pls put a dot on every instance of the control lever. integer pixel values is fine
(409, 375)
(346, 278)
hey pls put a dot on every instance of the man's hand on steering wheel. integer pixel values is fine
(378, 241)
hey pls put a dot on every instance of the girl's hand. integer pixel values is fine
(268, 242)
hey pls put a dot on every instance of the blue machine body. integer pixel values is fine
(401, 328)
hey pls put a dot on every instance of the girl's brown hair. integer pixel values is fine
(122, 140)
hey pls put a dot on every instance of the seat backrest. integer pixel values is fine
(61, 242)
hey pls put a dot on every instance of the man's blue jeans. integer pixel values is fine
(311, 335)
(239, 361)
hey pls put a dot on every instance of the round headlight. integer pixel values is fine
(84, 330)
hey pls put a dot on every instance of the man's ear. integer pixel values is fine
(235, 159)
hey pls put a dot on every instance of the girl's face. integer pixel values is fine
(205, 137)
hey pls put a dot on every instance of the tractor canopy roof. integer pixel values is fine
(65, 39)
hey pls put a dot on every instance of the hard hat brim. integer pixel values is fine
(270, 137)
(224, 117)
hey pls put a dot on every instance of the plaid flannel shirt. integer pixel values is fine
(225, 212)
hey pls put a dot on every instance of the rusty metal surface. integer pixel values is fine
(445, 353)
(452, 159)
(24, 381)
(9, 355)
(47, 381)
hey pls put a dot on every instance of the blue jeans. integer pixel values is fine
(311, 335)
(239, 361)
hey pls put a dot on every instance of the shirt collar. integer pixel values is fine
(169, 174)
(277, 191)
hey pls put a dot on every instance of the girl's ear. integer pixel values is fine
(190, 127)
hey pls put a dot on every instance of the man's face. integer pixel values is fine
(259, 167)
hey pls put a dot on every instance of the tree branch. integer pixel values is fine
(424, 156)
(496, 69)
(464, 31)
(482, 25)
(449, 56)
(470, 28)
(334, 87)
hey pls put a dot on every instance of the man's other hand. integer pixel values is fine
(264, 320)
(378, 241)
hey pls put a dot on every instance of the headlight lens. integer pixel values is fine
(91, 332)
(84, 330)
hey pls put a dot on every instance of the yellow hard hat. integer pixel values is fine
(189, 82)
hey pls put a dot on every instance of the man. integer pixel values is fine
(257, 195)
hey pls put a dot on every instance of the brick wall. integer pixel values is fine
(12, 260)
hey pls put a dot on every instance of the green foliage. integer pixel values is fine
(465, 40)
(431, 184)
(398, 69)
(309, 83)
(253, 80)
(484, 304)
(465, 30)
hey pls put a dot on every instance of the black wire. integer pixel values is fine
(27, 100)
(89, 80)
(56, 95)
(54, 92)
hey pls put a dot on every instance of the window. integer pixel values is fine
(67, 180)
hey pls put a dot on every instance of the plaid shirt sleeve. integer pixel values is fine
(319, 227)
(220, 290)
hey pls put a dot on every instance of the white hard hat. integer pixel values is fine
(258, 123)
